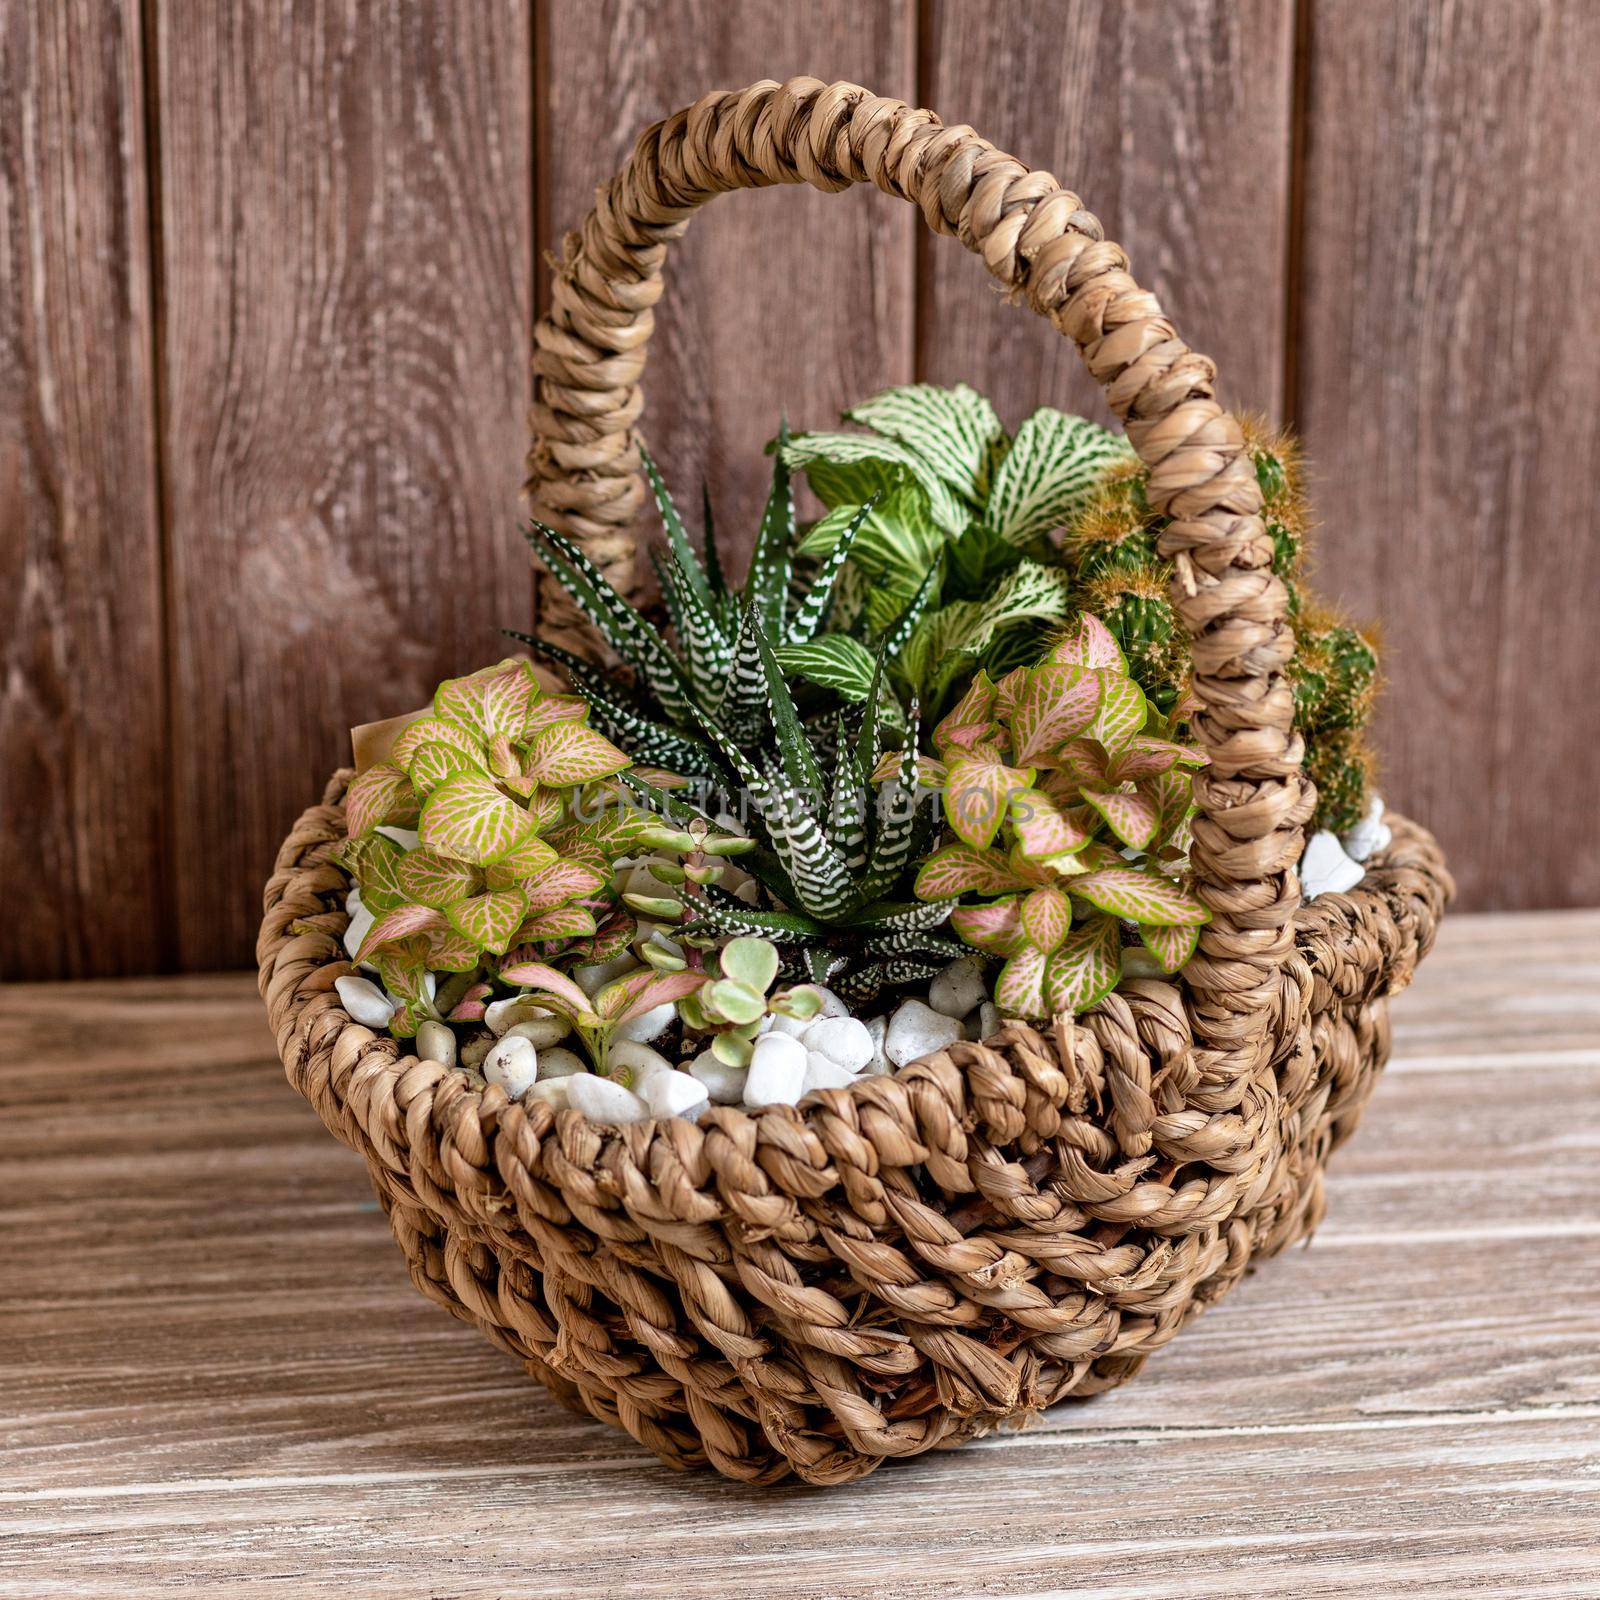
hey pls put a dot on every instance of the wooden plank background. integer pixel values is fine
(267, 277)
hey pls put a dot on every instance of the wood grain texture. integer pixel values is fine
(786, 300)
(82, 694)
(1449, 393)
(1172, 122)
(219, 1382)
(347, 211)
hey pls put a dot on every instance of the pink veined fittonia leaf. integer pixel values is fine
(470, 819)
(490, 920)
(1132, 817)
(1146, 757)
(559, 922)
(470, 1007)
(1171, 946)
(435, 880)
(566, 753)
(1055, 705)
(1046, 918)
(561, 881)
(1086, 968)
(493, 701)
(1122, 711)
(452, 951)
(435, 730)
(1142, 897)
(381, 794)
(976, 794)
(1042, 828)
(1019, 988)
(970, 721)
(995, 927)
(640, 992)
(401, 923)
(555, 989)
(434, 763)
(961, 869)
(553, 708)
(1088, 642)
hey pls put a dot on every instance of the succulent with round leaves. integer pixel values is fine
(734, 1003)
(1069, 802)
(485, 779)
(713, 667)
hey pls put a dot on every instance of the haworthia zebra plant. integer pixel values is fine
(715, 669)
(938, 501)
(836, 856)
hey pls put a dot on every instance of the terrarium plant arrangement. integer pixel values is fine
(924, 769)
(886, 974)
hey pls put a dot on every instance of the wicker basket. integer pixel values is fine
(917, 1259)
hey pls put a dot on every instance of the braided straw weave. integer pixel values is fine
(914, 1260)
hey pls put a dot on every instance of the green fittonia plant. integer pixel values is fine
(1070, 804)
(1056, 521)
(945, 505)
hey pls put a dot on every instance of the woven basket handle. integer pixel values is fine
(1037, 239)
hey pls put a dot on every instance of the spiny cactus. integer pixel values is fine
(1110, 546)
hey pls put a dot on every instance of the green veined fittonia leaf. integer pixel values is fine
(566, 753)
(955, 430)
(380, 794)
(1054, 464)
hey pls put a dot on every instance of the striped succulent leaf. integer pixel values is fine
(814, 607)
(708, 649)
(867, 983)
(848, 809)
(623, 628)
(683, 555)
(646, 739)
(900, 916)
(922, 946)
(800, 767)
(767, 586)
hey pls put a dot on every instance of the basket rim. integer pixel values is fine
(1321, 923)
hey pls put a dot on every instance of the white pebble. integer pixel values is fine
(916, 1030)
(822, 1072)
(592, 979)
(725, 1084)
(601, 1100)
(551, 1090)
(988, 1020)
(513, 1064)
(840, 1039)
(832, 1005)
(437, 1042)
(361, 920)
(648, 1026)
(474, 1050)
(365, 1001)
(517, 1013)
(559, 1063)
(1137, 962)
(643, 881)
(878, 1027)
(1370, 835)
(959, 988)
(655, 939)
(540, 1032)
(642, 1063)
(748, 892)
(675, 1094)
(776, 1072)
(406, 838)
(1326, 869)
(795, 1027)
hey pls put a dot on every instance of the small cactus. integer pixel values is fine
(1110, 547)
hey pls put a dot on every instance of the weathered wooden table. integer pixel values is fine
(216, 1379)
